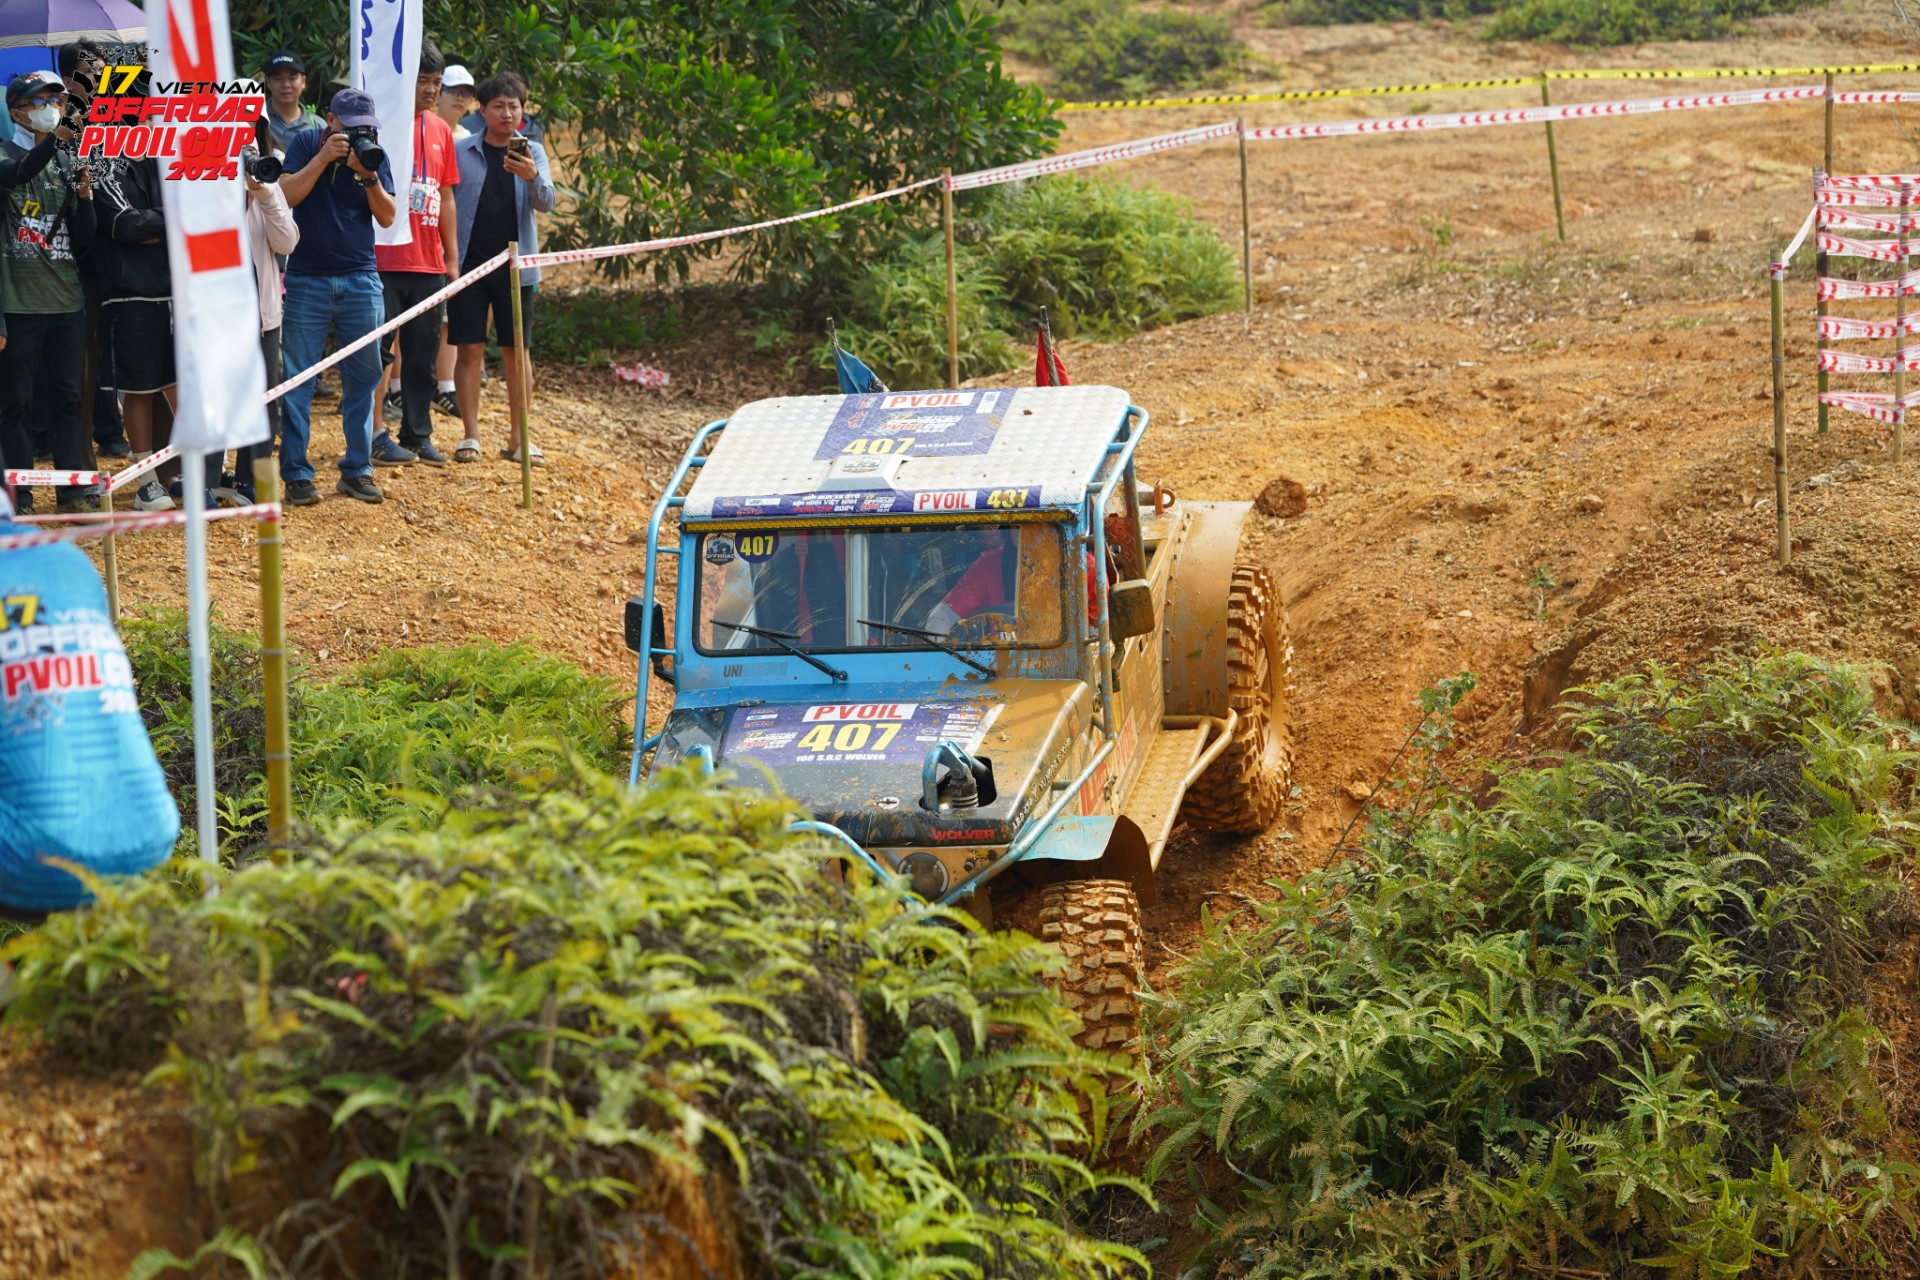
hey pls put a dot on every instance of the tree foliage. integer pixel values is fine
(671, 116)
(1616, 1020)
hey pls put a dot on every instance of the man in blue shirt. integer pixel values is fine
(333, 284)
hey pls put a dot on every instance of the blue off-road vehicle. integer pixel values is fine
(956, 628)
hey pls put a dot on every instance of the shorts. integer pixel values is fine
(467, 312)
(139, 345)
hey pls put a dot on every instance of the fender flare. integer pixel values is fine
(1101, 847)
(1194, 644)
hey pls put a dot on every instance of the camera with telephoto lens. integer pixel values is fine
(365, 141)
(260, 168)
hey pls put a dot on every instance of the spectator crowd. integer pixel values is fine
(86, 311)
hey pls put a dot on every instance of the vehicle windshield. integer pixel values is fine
(985, 586)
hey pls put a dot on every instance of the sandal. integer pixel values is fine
(468, 450)
(533, 450)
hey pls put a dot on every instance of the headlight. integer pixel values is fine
(926, 873)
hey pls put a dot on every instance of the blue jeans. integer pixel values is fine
(348, 306)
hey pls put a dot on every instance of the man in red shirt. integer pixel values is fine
(410, 273)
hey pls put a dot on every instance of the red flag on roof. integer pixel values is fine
(1047, 369)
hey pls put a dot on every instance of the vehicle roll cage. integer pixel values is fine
(1116, 464)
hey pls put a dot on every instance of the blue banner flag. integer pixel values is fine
(855, 378)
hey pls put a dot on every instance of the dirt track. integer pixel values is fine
(1519, 455)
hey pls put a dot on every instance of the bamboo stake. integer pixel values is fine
(525, 365)
(1780, 426)
(1553, 164)
(953, 299)
(1246, 221)
(1899, 327)
(1820, 270)
(273, 660)
(110, 565)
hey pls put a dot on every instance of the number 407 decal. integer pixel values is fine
(853, 736)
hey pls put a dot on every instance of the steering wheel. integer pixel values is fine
(988, 626)
(940, 583)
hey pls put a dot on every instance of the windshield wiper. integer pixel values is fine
(933, 638)
(785, 640)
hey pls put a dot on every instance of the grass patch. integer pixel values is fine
(1116, 49)
(408, 724)
(527, 1016)
(1617, 1019)
(1582, 23)
(1107, 260)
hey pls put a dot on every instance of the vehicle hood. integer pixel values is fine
(858, 760)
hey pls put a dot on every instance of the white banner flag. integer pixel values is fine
(385, 40)
(216, 308)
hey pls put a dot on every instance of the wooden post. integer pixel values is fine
(1900, 325)
(953, 297)
(1780, 424)
(519, 357)
(1553, 164)
(1819, 272)
(1826, 156)
(1246, 221)
(273, 660)
(110, 565)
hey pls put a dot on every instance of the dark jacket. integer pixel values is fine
(129, 214)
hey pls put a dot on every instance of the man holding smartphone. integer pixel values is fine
(503, 181)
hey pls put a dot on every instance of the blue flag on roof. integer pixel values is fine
(855, 378)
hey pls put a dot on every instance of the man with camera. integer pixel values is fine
(412, 272)
(49, 214)
(339, 185)
(503, 180)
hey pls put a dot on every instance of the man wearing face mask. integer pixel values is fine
(48, 215)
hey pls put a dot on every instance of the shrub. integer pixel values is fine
(1113, 48)
(1618, 1018)
(533, 1017)
(1575, 22)
(590, 326)
(1106, 258)
(420, 721)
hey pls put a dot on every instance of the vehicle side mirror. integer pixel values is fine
(1130, 609)
(635, 624)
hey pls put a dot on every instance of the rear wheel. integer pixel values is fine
(1245, 788)
(1096, 925)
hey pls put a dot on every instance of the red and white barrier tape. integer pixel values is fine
(494, 263)
(1877, 250)
(66, 479)
(1087, 159)
(1829, 288)
(1873, 97)
(1532, 115)
(1908, 359)
(699, 237)
(152, 462)
(1777, 269)
(1893, 224)
(101, 526)
(644, 375)
(1872, 404)
(1872, 181)
(1840, 328)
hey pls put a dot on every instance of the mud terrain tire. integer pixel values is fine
(1096, 926)
(1245, 789)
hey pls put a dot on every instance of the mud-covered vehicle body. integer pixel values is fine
(955, 627)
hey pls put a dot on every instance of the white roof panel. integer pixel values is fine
(906, 451)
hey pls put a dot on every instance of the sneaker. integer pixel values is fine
(177, 490)
(151, 497)
(301, 493)
(244, 493)
(23, 501)
(388, 454)
(392, 406)
(80, 505)
(361, 487)
(224, 496)
(429, 455)
(112, 448)
(444, 401)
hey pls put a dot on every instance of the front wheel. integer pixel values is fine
(1245, 789)
(1096, 926)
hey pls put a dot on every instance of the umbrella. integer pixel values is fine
(47, 23)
